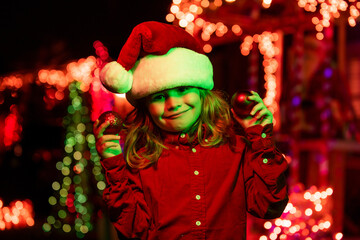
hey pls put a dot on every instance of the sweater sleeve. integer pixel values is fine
(125, 200)
(264, 169)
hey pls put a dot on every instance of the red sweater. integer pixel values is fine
(194, 192)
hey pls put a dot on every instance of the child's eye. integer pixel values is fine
(157, 97)
(183, 89)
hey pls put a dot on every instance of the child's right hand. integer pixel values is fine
(106, 145)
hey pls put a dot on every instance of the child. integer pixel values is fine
(183, 173)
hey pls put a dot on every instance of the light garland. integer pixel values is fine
(74, 211)
(19, 214)
(330, 9)
(307, 216)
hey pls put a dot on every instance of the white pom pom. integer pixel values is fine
(115, 78)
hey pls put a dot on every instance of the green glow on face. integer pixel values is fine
(52, 200)
(55, 185)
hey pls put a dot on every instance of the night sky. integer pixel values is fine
(39, 34)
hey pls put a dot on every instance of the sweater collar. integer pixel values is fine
(179, 138)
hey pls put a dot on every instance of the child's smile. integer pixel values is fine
(175, 110)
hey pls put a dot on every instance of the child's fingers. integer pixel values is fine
(110, 144)
(257, 108)
(96, 123)
(99, 131)
(263, 113)
(109, 137)
(265, 117)
(254, 97)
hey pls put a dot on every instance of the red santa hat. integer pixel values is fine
(156, 57)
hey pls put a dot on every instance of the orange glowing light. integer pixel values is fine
(267, 225)
(205, 3)
(174, 9)
(329, 191)
(308, 212)
(18, 214)
(338, 236)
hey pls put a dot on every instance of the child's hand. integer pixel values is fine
(106, 145)
(258, 115)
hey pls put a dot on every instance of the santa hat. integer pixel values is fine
(156, 57)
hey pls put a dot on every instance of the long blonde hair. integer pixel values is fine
(143, 143)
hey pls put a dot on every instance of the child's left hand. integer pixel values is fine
(260, 114)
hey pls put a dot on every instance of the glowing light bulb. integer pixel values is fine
(267, 225)
(308, 212)
(338, 236)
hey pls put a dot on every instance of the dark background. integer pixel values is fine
(39, 33)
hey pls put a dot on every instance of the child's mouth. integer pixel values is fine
(176, 115)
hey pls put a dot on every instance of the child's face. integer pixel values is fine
(175, 110)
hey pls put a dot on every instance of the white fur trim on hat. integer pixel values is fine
(178, 67)
(115, 78)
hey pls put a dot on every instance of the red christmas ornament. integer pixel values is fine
(241, 104)
(116, 123)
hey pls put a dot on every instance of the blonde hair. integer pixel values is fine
(143, 143)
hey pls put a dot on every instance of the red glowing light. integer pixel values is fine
(18, 214)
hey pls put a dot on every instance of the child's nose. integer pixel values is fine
(173, 103)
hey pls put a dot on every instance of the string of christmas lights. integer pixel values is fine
(74, 211)
(307, 216)
(19, 214)
(329, 10)
(71, 201)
